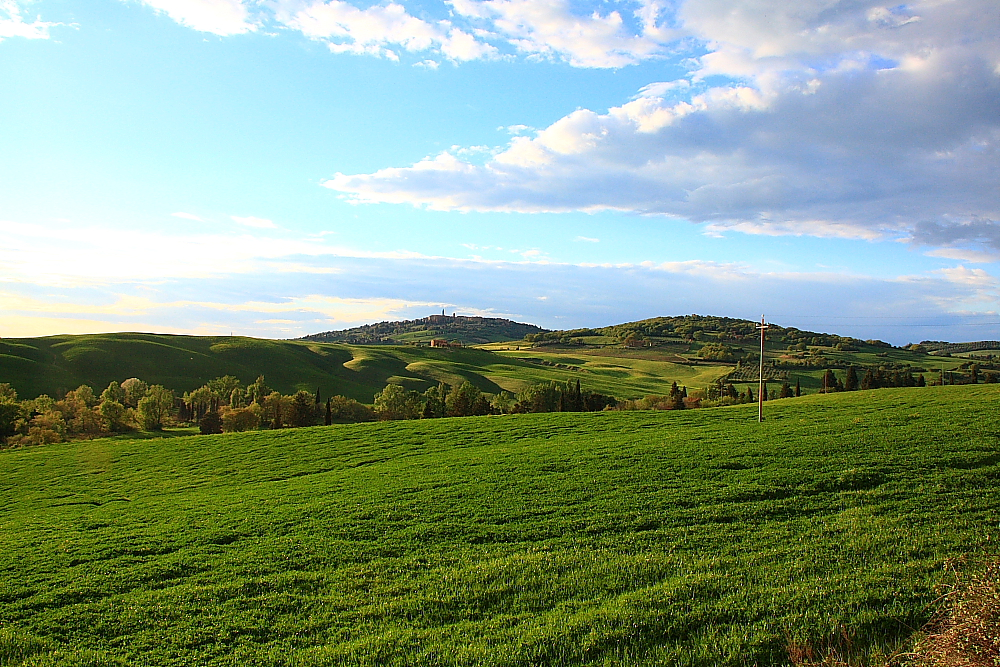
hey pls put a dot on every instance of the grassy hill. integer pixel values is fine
(55, 364)
(689, 538)
(462, 329)
(670, 349)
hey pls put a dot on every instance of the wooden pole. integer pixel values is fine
(760, 386)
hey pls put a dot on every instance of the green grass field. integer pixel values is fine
(623, 538)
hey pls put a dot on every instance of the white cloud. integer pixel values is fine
(372, 31)
(187, 216)
(955, 303)
(257, 223)
(551, 29)
(220, 17)
(71, 255)
(815, 133)
(588, 239)
(13, 24)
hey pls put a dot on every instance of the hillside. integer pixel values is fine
(461, 329)
(54, 364)
(699, 537)
(627, 361)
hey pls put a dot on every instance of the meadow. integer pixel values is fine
(695, 537)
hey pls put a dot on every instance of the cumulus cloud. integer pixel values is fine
(552, 29)
(219, 17)
(347, 29)
(852, 120)
(13, 23)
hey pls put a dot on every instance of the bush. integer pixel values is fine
(302, 411)
(240, 419)
(210, 424)
(348, 411)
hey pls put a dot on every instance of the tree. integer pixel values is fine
(851, 381)
(786, 391)
(434, 405)
(921, 382)
(677, 401)
(223, 386)
(238, 420)
(7, 392)
(830, 382)
(114, 392)
(503, 402)
(395, 402)
(798, 389)
(211, 423)
(349, 411)
(115, 415)
(466, 401)
(154, 408)
(276, 422)
(257, 391)
(134, 390)
(302, 411)
(869, 381)
(328, 419)
(86, 394)
(10, 416)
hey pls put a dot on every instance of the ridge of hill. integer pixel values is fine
(458, 328)
(698, 537)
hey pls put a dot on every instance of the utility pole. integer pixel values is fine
(760, 387)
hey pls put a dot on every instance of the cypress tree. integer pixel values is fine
(763, 392)
(868, 381)
(317, 397)
(851, 382)
(578, 398)
(921, 382)
(329, 412)
(798, 389)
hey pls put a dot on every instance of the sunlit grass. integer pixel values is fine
(688, 538)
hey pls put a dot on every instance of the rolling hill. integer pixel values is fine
(54, 364)
(627, 361)
(460, 328)
(642, 538)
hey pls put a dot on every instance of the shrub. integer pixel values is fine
(348, 411)
(239, 420)
(211, 423)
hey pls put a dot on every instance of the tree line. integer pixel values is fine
(225, 405)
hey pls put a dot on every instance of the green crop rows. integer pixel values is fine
(676, 538)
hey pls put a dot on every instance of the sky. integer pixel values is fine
(277, 168)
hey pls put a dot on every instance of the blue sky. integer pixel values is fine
(282, 167)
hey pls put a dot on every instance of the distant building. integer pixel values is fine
(441, 342)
